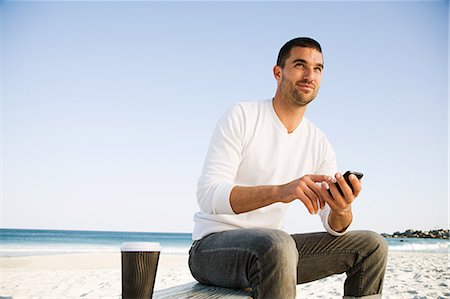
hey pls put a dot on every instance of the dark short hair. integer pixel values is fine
(304, 42)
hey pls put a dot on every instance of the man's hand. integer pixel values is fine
(341, 211)
(339, 203)
(306, 190)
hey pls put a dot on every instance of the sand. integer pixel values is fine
(98, 275)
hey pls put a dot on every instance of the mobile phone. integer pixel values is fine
(359, 175)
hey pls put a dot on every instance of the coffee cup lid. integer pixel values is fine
(140, 246)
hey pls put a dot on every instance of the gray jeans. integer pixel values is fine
(272, 262)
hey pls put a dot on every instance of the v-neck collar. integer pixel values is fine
(279, 124)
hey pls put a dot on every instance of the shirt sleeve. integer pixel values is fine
(328, 167)
(221, 164)
(324, 214)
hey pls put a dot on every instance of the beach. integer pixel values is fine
(98, 275)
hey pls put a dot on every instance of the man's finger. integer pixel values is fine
(308, 205)
(320, 197)
(317, 178)
(326, 196)
(313, 198)
(345, 188)
(335, 194)
(356, 184)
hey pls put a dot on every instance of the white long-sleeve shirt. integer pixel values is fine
(251, 147)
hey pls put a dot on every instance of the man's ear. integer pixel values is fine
(277, 72)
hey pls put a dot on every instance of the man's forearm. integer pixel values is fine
(339, 222)
(245, 199)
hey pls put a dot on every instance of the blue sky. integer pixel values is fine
(108, 107)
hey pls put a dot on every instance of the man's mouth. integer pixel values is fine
(306, 86)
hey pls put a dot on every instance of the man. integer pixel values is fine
(264, 155)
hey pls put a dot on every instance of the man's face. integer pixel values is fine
(299, 79)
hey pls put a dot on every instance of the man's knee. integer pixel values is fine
(371, 242)
(376, 241)
(273, 263)
(276, 246)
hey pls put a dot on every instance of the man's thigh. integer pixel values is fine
(230, 258)
(322, 255)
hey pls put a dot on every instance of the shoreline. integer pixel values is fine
(98, 275)
(29, 250)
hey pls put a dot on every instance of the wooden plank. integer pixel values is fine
(195, 290)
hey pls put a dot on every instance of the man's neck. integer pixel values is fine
(289, 114)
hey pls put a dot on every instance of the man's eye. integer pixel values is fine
(318, 69)
(299, 65)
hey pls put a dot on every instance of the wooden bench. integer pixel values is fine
(197, 290)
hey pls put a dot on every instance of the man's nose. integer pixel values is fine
(308, 74)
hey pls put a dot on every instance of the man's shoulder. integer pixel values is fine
(252, 104)
(308, 123)
(250, 107)
(313, 130)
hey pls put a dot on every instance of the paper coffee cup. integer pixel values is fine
(139, 265)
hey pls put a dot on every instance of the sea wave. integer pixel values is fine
(47, 242)
(422, 245)
(13, 250)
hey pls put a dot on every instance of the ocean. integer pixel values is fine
(27, 242)
(23, 242)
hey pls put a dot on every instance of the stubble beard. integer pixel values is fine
(294, 96)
